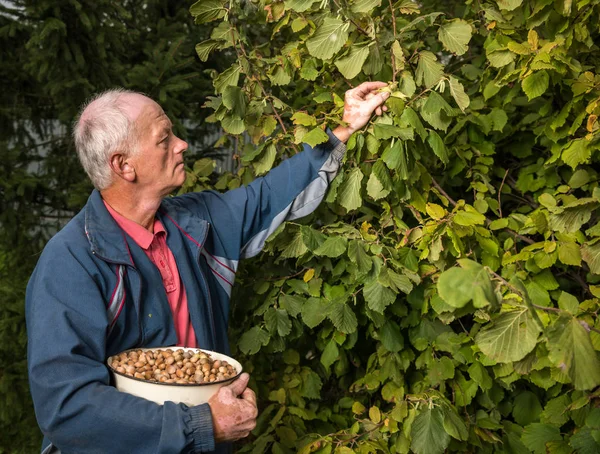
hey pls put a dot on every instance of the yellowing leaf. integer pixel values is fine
(429, 71)
(435, 211)
(309, 275)
(458, 93)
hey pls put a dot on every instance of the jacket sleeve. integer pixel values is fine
(76, 408)
(244, 218)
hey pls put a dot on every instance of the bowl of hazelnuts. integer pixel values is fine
(181, 375)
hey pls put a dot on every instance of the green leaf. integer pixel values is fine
(314, 312)
(536, 435)
(437, 145)
(429, 71)
(569, 253)
(468, 217)
(509, 337)
(428, 434)
(460, 97)
(278, 321)
(378, 297)
(304, 119)
(383, 132)
(328, 39)
(577, 152)
(343, 318)
(455, 36)
(351, 65)
(334, 246)
(391, 337)
(527, 408)
(265, 163)
(458, 286)
(204, 48)
(358, 255)
(572, 351)
(234, 100)
(535, 84)
(207, 10)
(349, 191)
(299, 5)
(500, 58)
(509, 5)
(591, 254)
(292, 304)
(252, 340)
(315, 136)
(380, 183)
(330, 354)
(295, 248)
(228, 77)
(571, 217)
(454, 425)
(584, 442)
(364, 6)
(233, 125)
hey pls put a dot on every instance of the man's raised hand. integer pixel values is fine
(233, 410)
(359, 105)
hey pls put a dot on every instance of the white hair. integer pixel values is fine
(100, 132)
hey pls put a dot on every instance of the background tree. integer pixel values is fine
(445, 295)
(55, 54)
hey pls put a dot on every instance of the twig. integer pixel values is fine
(500, 192)
(518, 235)
(362, 30)
(439, 188)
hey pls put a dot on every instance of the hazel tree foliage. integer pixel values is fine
(444, 297)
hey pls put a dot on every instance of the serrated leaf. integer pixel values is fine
(299, 5)
(358, 255)
(314, 312)
(328, 39)
(228, 77)
(304, 119)
(265, 163)
(591, 254)
(428, 434)
(204, 48)
(364, 6)
(252, 340)
(351, 65)
(535, 84)
(509, 5)
(455, 36)
(207, 10)
(500, 58)
(437, 145)
(429, 70)
(458, 93)
(315, 136)
(233, 125)
(457, 286)
(330, 354)
(333, 246)
(295, 248)
(391, 337)
(278, 321)
(536, 435)
(378, 297)
(571, 217)
(454, 425)
(572, 351)
(343, 318)
(510, 337)
(292, 303)
(527, 408)
(349, 191)
(577, 152)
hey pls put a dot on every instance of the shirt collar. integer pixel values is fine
(139, 234)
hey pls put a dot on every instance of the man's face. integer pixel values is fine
(159, 162)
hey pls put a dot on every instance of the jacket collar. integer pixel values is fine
(108, 240)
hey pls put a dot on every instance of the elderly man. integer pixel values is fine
(138, 269)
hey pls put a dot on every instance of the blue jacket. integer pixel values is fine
(94, 293)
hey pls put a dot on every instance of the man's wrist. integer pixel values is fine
(343, 133)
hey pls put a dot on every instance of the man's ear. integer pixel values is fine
(122, 167)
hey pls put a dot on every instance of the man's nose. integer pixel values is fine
(181, 146)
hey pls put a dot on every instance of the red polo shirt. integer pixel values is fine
(155, 247)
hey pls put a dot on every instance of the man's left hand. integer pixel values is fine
(359, 105)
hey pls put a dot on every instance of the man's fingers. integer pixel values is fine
(239, 385)
(367, 87)
(250, 396)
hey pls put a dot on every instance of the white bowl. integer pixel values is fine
(193, 394)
